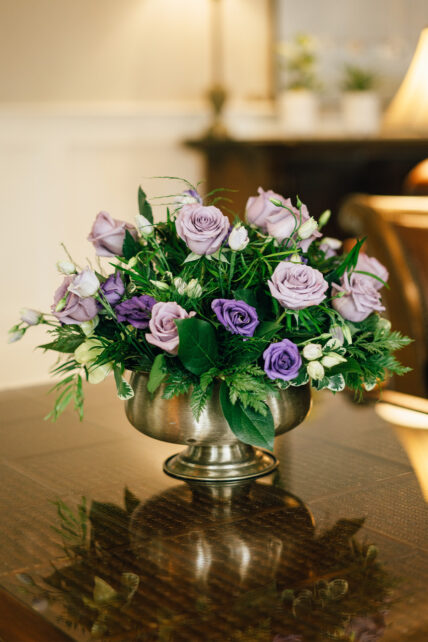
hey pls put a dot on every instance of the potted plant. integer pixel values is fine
(360, 101)
(223, 326)
(298, 101)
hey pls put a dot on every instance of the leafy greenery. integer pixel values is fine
(358, 79)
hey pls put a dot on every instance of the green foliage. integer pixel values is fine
(198, 400)
(198, 346)
(358, 79)
(158, 373)
(70, 391)
(124, 390)
(144, 206)
(66, 341)
(130, 246)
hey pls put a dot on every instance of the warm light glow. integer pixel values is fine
(408, 111)
(402, 416)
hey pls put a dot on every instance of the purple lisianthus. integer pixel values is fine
(113, 289)
(297, 286)
(282, 360)
(72, 307)
(203, 229)
(359, 299)
(136, 311)
(237, 316)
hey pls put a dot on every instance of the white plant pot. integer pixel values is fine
(298, 111)
(361, 112)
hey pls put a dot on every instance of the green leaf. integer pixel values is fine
(144, 206)
(246, 295)
(198, 400)
(130, 246)
(192, 257)
(103, 592)
(301, 378)
(267, 329)
(64, 343)
(157, 373)
(124, 390)
(336, 383)
(197, 348)
(249, 426)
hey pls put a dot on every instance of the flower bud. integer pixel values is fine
(132, 263)
(238, 238)
(15, 335)
(99, 373)
(180, 285)
(144, 227)
(333, 244)
(336, 332)
(160, 285)
(315, 370)
(66, 267)
(188, 197)
(332, 359)
(85, 284)
(324, 218)
(312, 351)
(307, 229)
(31, 317)
(89, 326)
(384, 324)
(62, 303)
(276, 202)
(194, 290)
(347, 333)
(295, 258)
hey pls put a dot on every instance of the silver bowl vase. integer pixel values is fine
(213, 452)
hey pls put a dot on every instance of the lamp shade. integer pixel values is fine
(408, 111)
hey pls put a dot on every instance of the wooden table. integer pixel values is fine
(157, 564)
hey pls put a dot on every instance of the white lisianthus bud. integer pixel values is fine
(295, 258)
(384, 324)
(194, 290)
(85, 284)
(333, 244)
(62, 303)
(336, 332)
(66, 267)
(238, 238)
(332, 359)
(276, 202)
(89, 326)
(144, 227)
(312, 351)
(347, 333)
(99, 373)
(180, 285)
(88, 351)
(160, 285)
(324, 218)
(132, 263)
(15, 335)
(307, 229)
(31, 317)
(188, 197)
(315, 370)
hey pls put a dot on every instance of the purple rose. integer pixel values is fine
(367, 629)
(371, 264)
(361, 297)
(136, 311)
(107, 235)
(164, 332)
(203, 229)
(113, 289)
(74, 308)
(297, 286)
(237, 316)
(285, 223)
(260, 208)
(282, 360)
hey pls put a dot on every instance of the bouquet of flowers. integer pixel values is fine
(194, 300)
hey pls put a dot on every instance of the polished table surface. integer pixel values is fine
(333, 546)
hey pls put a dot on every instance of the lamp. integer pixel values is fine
(408, 111)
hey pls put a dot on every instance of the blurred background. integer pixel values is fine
(99, 96)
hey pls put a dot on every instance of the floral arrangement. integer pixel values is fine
(256, 306)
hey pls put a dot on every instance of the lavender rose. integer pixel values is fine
(297, 286)
(164, 332)
(136, 311)
(237, 316)
(70, 308)
(113, 289)
(260, 208)
(284, 224)
(361, 297)
(282, 360)
(107, 234)
(203, 229)
(371, 264)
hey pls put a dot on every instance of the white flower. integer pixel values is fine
(66, 267)
(295, 258)
(315, 370)
(194, 290)
(85, 284)
(143, 225)
(332, 359)
(332, 243)
(307, 229)
(89, 326)
(88, 351)
(312, 351)
(31, 317)
(324, 218)
(15, 335)
(180, 285)
(160, 285)
(99, 373)
(238, 238)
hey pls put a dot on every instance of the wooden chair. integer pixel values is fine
(397, 231)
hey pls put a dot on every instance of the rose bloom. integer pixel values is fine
(297, 286)
(371, 264)
(237, 316)
(260, 208)
(107, 234)
(136, 311)
(361, 297)
(282, 360)
(76, 309)
(285, 224)
(203, 229)
(164, 332)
